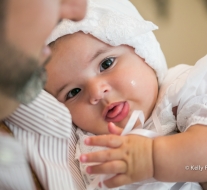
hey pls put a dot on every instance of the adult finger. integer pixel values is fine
(113, 167)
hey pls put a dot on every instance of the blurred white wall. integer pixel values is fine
(183, 32)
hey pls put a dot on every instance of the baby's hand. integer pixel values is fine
(129, 158)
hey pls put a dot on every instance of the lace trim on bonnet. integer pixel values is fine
(118, 22)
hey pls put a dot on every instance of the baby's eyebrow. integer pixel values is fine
(99, 52)
(59, 90)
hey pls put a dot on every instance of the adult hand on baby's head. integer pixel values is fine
(129, 158)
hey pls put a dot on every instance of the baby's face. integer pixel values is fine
(100, 83)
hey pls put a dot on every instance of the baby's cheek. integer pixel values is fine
(77, 114)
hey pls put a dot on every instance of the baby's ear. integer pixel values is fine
(113, 129)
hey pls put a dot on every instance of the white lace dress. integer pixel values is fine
(184, 87)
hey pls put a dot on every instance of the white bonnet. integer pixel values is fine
(117, 22)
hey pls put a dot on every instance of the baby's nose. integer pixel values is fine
(97, 91)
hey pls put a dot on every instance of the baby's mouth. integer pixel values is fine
(116, 112)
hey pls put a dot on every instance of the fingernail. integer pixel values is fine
(88, 169)
(112, 124)
(83, 158)
(100, 184)
(87, 141)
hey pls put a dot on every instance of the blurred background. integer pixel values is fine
(182, 26)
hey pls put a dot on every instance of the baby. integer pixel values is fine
(115, 67)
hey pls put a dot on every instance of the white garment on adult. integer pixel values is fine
(45, 131)
(14, 168)
(184, 87)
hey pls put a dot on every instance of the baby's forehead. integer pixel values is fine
(79, 46)
(78, 38)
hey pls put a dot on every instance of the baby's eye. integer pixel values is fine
(72, 93)
(107, 63)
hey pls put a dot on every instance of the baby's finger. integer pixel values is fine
(113, 129)
(102, 156)
(110, 141)
(118, 180)
(113, 167)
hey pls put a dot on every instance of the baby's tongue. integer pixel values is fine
(115, 111)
